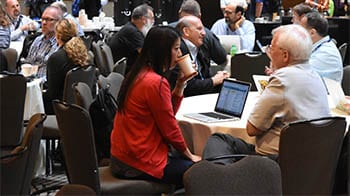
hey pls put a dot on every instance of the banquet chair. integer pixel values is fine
(308, 155)
(342, 182)
(75, 189)
(107, 57)
(77, 136)
(245, 65)
(13, 93)
(252, 175)
(346, 80)
(82, 94)
(120, 66)
(113, 80)
(103, 57)
(17, 165)
(51, 131)
(98, 59)
(342, 49)
(11, 57)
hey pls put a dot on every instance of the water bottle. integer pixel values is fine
(233, 50)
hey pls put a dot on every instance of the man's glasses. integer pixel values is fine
(48, 19)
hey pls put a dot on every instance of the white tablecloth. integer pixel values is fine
(200, 131)
(34, 99)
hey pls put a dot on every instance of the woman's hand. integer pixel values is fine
(192, 157)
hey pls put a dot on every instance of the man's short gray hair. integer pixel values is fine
(296, 40)
(141, 10)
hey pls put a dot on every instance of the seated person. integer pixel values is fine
(325, 58)
(211, 44)
(294, 92)
(145, 125)
(299, 12)
(71, 53)
(234, 23)
(62, 6)
(129, 40)
(192, 33)
(20, 24)
(44, 45)
(5, 32)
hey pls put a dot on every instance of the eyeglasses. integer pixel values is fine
(268, 48)
(48, 19)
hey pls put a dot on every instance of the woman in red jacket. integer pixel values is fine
(145, 124)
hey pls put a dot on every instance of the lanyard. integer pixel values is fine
(326, 41)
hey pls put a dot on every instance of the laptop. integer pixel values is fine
(229, 104)
(228, 40)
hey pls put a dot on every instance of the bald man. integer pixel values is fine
(20, 24)
(192, 33)
(234, 23)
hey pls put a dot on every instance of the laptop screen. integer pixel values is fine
(232, 97)
(227, 41)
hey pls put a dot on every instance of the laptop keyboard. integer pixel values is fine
(216, 115)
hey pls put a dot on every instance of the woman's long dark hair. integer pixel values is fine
(155, 53)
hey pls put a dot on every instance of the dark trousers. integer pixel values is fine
(173, 171)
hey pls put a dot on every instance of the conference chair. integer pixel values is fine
(342, 49)
(308, 155)
(13, 92)
(113, 81)
(245, 65)
(82, 94)
(346, 80)
(74, 190)
(11, 57)
(51, 131)
(252, 175)
(107, 57)
(17, 165)
(77, 136)
(120, 66)
(342, 182)
(103, 57)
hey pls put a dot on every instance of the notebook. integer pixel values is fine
(228, 40)
(229, 104)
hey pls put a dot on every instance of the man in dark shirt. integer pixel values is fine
(129, 40)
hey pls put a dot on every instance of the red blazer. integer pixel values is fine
(141, 135)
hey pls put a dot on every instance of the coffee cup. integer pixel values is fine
(186, 66)
(26, 70)
(35, 69)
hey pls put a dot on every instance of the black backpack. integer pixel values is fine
(102, 112)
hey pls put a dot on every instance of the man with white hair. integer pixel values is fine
(234, 23)
(20, 24)
(294, 92)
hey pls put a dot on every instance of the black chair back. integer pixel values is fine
(13, 92)
(245, 65)
(78, 74)
(17, 167)
(308, 155)
(252, 175)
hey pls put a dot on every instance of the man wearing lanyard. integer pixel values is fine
(20, 24)
(325, 58)
(192, 32)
